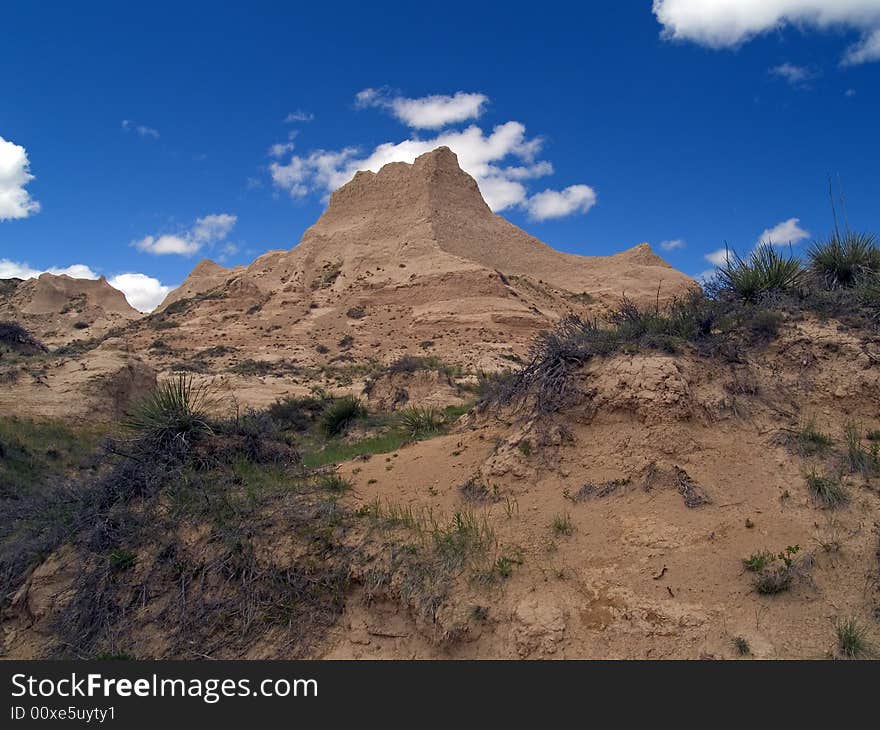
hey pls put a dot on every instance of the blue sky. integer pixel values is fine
(137, 139)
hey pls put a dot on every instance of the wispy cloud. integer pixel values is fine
(730, 23)
(15, 174)
(796, 76)
(139, 129)
(673, 245)
(299, 116)
(204, 232)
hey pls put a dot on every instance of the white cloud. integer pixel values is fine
(140, 129)
(729, 23)
(15, 270)
(280, 149)
(785, 233)
(560, 203)
(500, 162)
(719, 257)
(143, 292)
(426, 112)
(673, 245)
(204, 232)
(15, 202)
(299, 116)
(795, 75)
(868, 49)
(163, 245)
(213, 228)
(782, 234)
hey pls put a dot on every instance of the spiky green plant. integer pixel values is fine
(340, 414)
(858, 458)
(826, 490)
(764, 271)
(852, 638)
(845, 260)
(334, 483)
(420, 421)
(172, 415)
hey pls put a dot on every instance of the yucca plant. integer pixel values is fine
(340, 414)
(420, 421)
(764, 271)
(845, 260)
(169, 418)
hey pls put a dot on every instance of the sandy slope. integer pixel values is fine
(642, 575)
(58, 309)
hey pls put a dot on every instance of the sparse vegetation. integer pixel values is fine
(845, 259)
(334, 483)
(852, 639)
(742, 646)
(756, 562)
(762, 273)
(413, 364)
(299, 414)
(775, 573)
(420, 421)
(329, 273)
(341, 414)
(346, 342)
(476, 491)
(859, 459)
(253, 367)
(16, 337)
(596, 491)
(562, 525)
(170, 419)
(828, 491)
(809, 440)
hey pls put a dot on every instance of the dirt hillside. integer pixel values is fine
(58, 308)
(406, 261)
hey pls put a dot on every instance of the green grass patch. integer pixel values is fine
(335, 451)
(33, 451)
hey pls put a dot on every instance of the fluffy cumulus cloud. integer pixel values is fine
(142, 292)
(729, 23)
(785, 233)
(15, 174)
(204, 232)
(426, 112)
(502, 160)
(561, 203)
